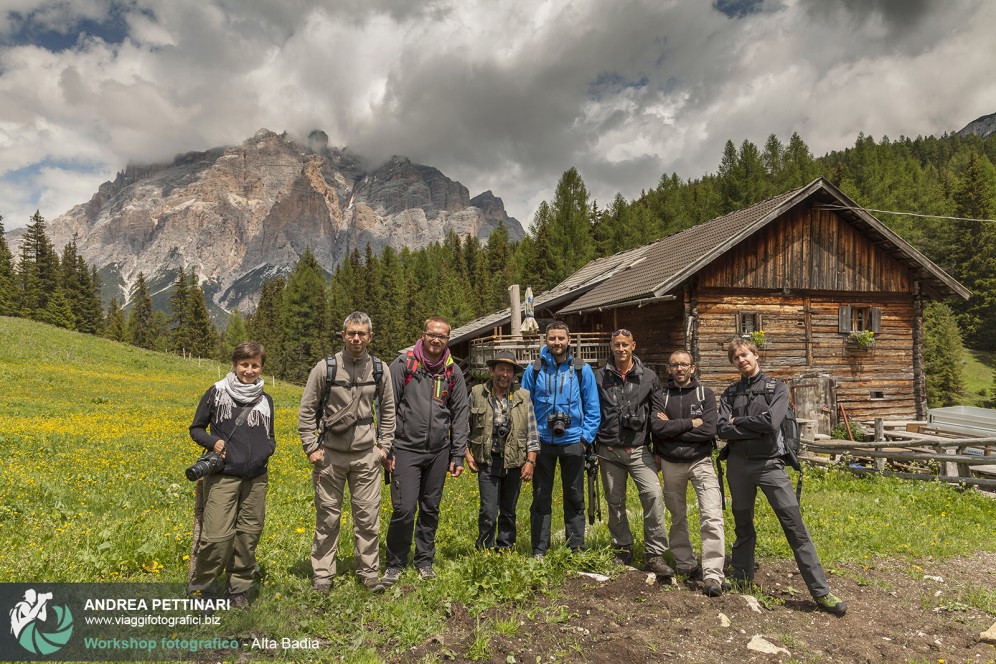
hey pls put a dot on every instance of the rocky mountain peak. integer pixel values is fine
(239, 215)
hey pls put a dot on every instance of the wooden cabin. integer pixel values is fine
(810, 268)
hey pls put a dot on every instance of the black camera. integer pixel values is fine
(209, 464)
(633, 421)
(503, 428)
(558, 423)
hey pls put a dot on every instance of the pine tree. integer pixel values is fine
(203, 335)
(235, 333)
(90, 314)
(115, 327)
(943, 356)
(975, 258)
(570, 229)
(179, 318)
(140, 328)
(41, 296)
(305, 320)
(8, 282)
(266, 325)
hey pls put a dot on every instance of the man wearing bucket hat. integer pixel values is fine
(502, 450)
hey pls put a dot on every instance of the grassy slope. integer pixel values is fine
(94, 436)
(978, 373)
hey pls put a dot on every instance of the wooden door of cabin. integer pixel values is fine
(815, 398)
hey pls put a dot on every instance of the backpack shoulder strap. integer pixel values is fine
(378, 376)
(330, 369)
(411, 366)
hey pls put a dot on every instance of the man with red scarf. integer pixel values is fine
(433, 425)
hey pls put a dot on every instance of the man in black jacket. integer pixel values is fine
(433, 424)
(684, 428)
(750, 418)
(625, 391)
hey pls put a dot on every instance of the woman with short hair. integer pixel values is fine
(234, 420)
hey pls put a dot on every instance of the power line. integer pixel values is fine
(908, 214)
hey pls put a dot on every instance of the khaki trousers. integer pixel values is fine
(234, 509)
(617, 464)
(703, 478)
(362, 472)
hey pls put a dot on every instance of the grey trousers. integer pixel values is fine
(617, 464)
(702, 475)
(362, 472)
(745, 477)
(232, 523)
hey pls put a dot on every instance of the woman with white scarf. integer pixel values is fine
(234, 419)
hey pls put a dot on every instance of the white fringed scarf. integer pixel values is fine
(230, 391)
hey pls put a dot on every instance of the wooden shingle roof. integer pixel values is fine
(667, 263)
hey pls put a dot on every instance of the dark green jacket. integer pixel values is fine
(522, 437)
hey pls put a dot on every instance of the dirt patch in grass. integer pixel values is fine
(897, 612)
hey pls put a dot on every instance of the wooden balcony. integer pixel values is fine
(592, 347)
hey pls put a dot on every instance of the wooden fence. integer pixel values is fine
(893, 445)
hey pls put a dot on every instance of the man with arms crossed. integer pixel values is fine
(684, 427)
(750, 418)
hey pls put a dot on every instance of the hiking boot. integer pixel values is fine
(538, 556)
(623, 556)
(657, 565)
(239, 600)
(372, 584)
(831, 604)
(712, 588)
(426, 573)
(693, 574)
(391, 576)
(323, 586)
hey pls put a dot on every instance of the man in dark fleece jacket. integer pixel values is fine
(750, 418)
(433, 425)
(684, 428)
(625, 390)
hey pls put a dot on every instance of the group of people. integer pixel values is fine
(414, 422)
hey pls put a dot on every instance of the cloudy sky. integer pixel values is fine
(499, 95)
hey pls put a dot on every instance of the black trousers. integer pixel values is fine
(746, 476)
(499, 490)
(417, 485)
(572, 477)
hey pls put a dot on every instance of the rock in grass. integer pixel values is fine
(988, 636)
(724, 620)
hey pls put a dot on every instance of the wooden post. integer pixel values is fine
(880, 436)
(919, 378)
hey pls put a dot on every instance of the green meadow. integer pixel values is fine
(94, 439)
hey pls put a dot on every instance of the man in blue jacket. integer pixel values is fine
(565, 399)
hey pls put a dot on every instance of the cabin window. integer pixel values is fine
(858, 318)
(876, 395)
(748, 322)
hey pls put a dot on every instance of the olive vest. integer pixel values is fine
(482, 420)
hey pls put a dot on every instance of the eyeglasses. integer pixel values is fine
(679, 365)
(436, 337)
(354, 333)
